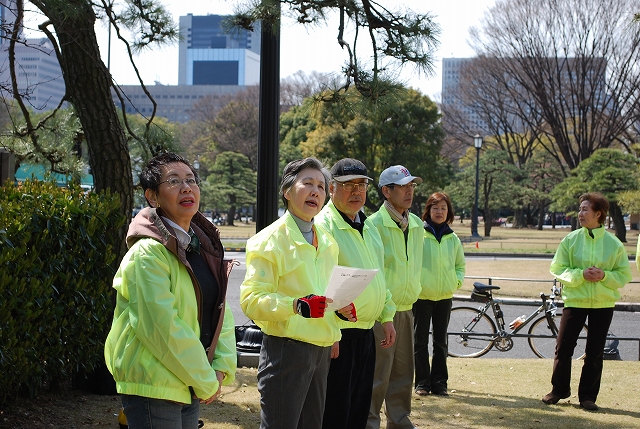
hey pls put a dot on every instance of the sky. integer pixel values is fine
(314, 49)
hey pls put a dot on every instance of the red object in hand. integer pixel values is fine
(312, 306)
(352, 315)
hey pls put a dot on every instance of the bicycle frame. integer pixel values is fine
(548, 307)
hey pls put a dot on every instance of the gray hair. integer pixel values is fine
(290, 174)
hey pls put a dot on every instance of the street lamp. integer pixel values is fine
(477, 142)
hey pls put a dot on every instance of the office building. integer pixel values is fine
(38, 73)
(208, 55)
(174, 102)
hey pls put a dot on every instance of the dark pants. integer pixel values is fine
(350, 381)
(292, 381)
(431, 378)
(570, 325)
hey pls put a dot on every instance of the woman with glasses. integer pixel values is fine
(172, 341)
(443, 267)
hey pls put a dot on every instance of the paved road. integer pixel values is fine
(625, 324)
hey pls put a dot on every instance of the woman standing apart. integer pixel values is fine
(288, 268)
(443, 268)
(592, 265)
(172, 341)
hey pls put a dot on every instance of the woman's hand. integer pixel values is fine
(220, 377)
(593, 274)
(335, 350)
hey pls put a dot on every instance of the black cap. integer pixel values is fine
(348, 169)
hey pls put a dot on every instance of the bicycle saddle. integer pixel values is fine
(482, 287)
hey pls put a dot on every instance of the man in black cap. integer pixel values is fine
(350, 379)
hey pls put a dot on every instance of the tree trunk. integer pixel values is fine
(519, 219)
(541, 207)
(487, 216)
(553, 220)
(88, 85)
(618, 221)
(231, 213)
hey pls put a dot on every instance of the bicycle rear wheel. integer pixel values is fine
(464, 322)
(546, 347)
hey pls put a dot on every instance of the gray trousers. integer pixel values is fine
(393, 380)
(292, 381)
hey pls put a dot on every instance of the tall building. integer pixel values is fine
(211, 62)
(208, 55)
(38, 73)
(451, 74)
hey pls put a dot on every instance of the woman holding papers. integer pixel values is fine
(442, 274)
(288, 267)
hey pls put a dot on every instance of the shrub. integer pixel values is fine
(57, 261)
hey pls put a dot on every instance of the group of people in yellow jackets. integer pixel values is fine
(172, 342)
(321, 369)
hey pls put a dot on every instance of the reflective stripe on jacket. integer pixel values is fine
(153, 348)
(360, 251)
(283, 266)
(443, 267)
(402, 263)
(578, 251)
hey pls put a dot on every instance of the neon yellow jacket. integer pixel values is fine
(402, 263)
(282, 266)
(153, 348)
(578, 251)
(360, 251)
(443, 267)
(638, 254)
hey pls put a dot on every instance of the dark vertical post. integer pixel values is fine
(269, 122)
(474, 218)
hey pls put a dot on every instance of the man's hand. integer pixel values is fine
(389, 335)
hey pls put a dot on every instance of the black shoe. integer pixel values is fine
(589, 405)
(551, 398)
(440, 392)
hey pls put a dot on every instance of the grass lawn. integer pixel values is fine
(485, 393)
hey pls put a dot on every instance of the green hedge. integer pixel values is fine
(57, 262)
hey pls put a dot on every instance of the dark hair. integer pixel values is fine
(151, 174)
(290, 174)
(599, 203)
(434, 199)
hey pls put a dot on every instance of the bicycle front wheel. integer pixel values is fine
(544, 344)
(464, 326)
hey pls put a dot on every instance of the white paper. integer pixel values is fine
(346, 284)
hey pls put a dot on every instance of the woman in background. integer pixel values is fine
(443, 268)
(592, 265)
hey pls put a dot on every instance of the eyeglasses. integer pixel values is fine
(176, 181)
(351, 186)
(411, 185)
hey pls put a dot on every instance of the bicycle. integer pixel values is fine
(472, 333)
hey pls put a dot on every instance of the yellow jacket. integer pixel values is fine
(443, 266)
(402, 263)
(580, 250)
(360, 251)
(282, 266)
